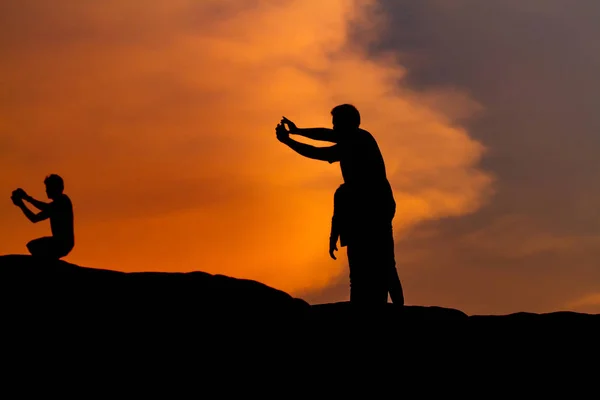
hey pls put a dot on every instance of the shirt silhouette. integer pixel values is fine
(360, 159)
(60, 213)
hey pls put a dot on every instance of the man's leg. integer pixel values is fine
(46, 247)
(356, 280)
(39, 247)
(389, 261)
(368, 280)
(395, 287)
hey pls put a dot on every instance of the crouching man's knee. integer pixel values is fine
(33, 247)
(40, 247)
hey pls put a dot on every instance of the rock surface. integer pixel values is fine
(80, 329)
(198, 301)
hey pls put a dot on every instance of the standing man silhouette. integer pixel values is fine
(60, 213)
(370, 205)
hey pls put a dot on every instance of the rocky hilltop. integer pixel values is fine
(29, 286)
(67, 320)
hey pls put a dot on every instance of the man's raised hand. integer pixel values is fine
(290, 125)
(20, 193)
(16, 199)
(281, 133)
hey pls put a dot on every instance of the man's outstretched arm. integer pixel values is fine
(323, 134)
(40, 205)
(31, 216)
(329, 154)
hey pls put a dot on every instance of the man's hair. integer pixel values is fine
(55, 181)
(347, 114)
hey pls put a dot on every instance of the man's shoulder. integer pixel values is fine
(64, 200)
(359, 135)
(354, 136)
(366, 135)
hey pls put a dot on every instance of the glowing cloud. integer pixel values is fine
(160, 116)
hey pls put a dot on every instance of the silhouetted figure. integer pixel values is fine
(370, 207)
(339, 230)
(60, 213)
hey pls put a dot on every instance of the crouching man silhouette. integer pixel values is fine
(60, 213)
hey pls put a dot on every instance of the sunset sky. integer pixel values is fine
(160, 117)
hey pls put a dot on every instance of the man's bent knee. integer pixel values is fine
(47, 247)
(35, 246)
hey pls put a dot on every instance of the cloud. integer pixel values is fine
(160, 116)
(589, 303)
(533, 68)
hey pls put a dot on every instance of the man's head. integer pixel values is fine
(54, 186)
(345, 116)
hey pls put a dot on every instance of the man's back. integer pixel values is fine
(360, 159)
(363, 170)
(61, 219)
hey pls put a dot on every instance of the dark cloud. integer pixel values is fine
(533, 66)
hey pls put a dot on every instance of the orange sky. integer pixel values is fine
(160, 117)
